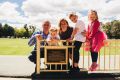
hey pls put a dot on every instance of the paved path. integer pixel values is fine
(15, 66)
(2, 78)
(21, 66)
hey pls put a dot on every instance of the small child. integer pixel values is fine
(53, 38)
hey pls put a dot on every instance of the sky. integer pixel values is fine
(33, 12)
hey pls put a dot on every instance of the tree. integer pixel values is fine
(19, 33)
(112, 29)
(31, 29)
(8, 31)
(115, 29)
(11, 31)
(1, 30)
(26, 33)
(107, 29)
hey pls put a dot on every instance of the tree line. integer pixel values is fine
(7, 31)
(112, 29)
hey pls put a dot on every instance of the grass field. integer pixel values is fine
(20, 47)
(14, 47)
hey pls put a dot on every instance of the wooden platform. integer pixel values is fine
(74, 76)
(60, 75)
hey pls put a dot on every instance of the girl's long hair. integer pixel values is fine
(60, 30)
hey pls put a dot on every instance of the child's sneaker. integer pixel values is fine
(43, 66)
(95, 67)
(91, 67)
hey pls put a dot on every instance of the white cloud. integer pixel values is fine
(111, 9)
(7, 10)
(53, 10)
(36, 11)
(9, 13)
(107, 10)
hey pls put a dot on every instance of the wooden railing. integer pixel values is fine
(53, 66)
(108, 60)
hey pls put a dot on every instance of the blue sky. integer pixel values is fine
(20, 12)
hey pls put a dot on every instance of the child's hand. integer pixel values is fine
(75, 31)
(84, 33)
(55, 40)
(105, 43)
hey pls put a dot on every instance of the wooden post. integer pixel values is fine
(38, 55)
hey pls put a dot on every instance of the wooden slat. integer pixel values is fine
(38, 56)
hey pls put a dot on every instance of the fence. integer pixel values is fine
(108, 60)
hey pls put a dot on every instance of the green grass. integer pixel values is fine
(14, 47)
(20, 47)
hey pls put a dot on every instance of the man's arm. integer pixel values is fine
(32, 40)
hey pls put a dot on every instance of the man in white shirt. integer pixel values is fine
(79, 37)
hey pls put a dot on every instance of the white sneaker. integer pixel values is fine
(43, 66)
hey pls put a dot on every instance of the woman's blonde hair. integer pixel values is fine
(93, 11)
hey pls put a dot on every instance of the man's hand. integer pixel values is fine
(39, 36)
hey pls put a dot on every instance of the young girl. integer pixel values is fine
(95, 38)
(53, 38)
